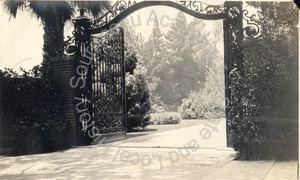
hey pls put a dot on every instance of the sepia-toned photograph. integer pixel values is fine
(142, 90)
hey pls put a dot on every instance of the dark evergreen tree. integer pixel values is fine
(153, 55)
(180, 73)
(137, 92)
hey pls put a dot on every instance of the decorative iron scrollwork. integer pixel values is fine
(111, 14)
(217, 11)
(201, 7)
(253, 29)
(234, 34)
(233, 12)
(69, 46)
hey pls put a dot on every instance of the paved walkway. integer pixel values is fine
(183, 154)
(208, 134)
(94, 163)
(142, 163)
(150, 129)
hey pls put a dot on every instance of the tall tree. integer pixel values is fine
(205, 50)
(208, 101)
(180, 74)
(132, 38)
(177, 42)
(154, 53)
(155, 47)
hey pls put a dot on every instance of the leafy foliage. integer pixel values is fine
(179, 73)
(32, 114)
(165, 118)
(108, 113)
(137, 92)
(153, 58)
(245, 132)
(138, 101)
(172, 73)
(178, 62)
(209, 101)
(202, 105)
(266, 87)
(46, 9)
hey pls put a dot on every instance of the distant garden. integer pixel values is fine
(184, 69)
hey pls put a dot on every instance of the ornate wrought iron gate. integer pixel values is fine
(108, 83)
(101, 70)
(104, 94)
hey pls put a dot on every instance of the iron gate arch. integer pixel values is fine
(235, 32)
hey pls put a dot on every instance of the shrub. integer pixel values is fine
(137, 92)
(281, 138)
(208, 102)
(105, 109)
(202, 105)
(266, 88)
(246, 137)
(138, 101)
(165, 118)
(264, 138)
(251, 134)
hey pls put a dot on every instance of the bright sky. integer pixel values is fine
(21, 41)
(22, 38)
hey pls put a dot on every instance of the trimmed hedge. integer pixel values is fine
(32, 115)
(264, 109)
(165, 118)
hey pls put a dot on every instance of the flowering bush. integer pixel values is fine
(202, 105)
(208, 102)
(165, 118)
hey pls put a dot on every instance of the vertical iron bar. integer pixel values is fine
(123, 84)
(105, 70)
(93, 81)
(101, 75)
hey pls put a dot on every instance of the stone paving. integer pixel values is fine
(120, 163)
(208, 134)
(176, 154)
(116, 163)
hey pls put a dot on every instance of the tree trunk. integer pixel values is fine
(53, 42)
